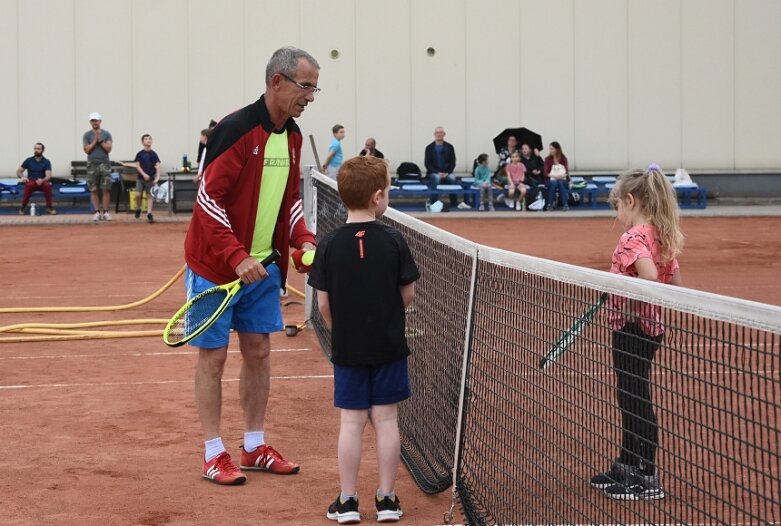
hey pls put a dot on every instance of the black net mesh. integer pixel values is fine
(692, 419)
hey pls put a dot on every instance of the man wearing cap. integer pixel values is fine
(97, 146)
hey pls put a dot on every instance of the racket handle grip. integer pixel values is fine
(268, 260)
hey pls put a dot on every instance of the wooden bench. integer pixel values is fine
(408, 194)
(65, 192)
(123, 180)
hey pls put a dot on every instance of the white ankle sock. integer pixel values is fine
(213, 448)
(343, 497)
(253, 439)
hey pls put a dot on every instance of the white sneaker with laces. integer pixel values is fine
(107, 216)
(518, 205)
(96, 217)
(463, 206)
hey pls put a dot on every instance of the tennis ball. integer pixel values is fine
(308, 258)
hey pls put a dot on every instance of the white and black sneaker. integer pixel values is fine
(617, 475)
(637, 487)
(388, 510)
(344, 512)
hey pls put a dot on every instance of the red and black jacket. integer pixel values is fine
(223, 222)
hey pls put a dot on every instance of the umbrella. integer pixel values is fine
(524, 136)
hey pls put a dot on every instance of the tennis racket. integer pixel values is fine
(569, 336)
(199, 313)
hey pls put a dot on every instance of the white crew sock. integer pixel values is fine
(381, 495)
(213, 448)
(253, 439)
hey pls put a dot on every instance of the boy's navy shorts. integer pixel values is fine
(360, 387)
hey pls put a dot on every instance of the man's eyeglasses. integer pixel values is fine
(314, 90)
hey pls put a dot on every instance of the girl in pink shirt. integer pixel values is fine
(516, 189)
(647, 207)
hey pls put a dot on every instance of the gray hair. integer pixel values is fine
(285, 61)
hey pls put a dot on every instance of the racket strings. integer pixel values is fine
(193, 318)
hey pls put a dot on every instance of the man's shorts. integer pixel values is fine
(98, 176)
(254, 309)
(144, 186)
(360, 387)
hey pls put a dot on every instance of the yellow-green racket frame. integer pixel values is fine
(233, 288)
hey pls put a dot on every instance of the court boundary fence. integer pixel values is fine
(517, 444)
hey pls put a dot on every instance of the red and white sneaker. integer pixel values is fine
(266, 458)
(221, 470)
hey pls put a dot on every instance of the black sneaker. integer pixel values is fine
(138, 213)
(617, 475)
(344, 512)
(150, 218)
(637, 487)
(388, 510)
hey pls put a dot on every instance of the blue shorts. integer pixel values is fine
(254, 309)
(360, 387)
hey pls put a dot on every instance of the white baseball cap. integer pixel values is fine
(95, 116)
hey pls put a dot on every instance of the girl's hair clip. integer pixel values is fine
(652, 167)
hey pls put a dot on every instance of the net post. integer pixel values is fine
(464, 365)
(310, 216)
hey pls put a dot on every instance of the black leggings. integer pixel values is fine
(633, 354)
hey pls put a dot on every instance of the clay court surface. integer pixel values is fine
(106, 431)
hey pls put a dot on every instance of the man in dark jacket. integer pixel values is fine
(440, 161)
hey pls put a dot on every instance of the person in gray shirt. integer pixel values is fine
(97, 146)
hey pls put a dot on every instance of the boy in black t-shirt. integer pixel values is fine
(365, 277)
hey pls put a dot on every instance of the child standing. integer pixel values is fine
(147, 163)
(647, 207)
(516, 189)
(333, 160)
(483, 181)
(365, 277)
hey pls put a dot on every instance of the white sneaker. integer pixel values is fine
(482, 208)
(463, 206)
(518, 205)
(508, 203)
(96, 217)
(107, 216)
(491, 207)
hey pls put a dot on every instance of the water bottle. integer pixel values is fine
(32, 209)
(185, 163)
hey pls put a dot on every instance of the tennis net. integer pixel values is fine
(521, 444)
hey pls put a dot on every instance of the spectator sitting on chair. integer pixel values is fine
(557, 173)
(334, 158)
(516, 187)
(37, 179)
(482, 176)
(500, 176)
(370, 148)
(97, 146)
(440, 161)
(535, 172)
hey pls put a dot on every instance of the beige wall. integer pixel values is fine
(618, 83)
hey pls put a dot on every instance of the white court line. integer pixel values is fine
(161, 382)
(132, 355)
